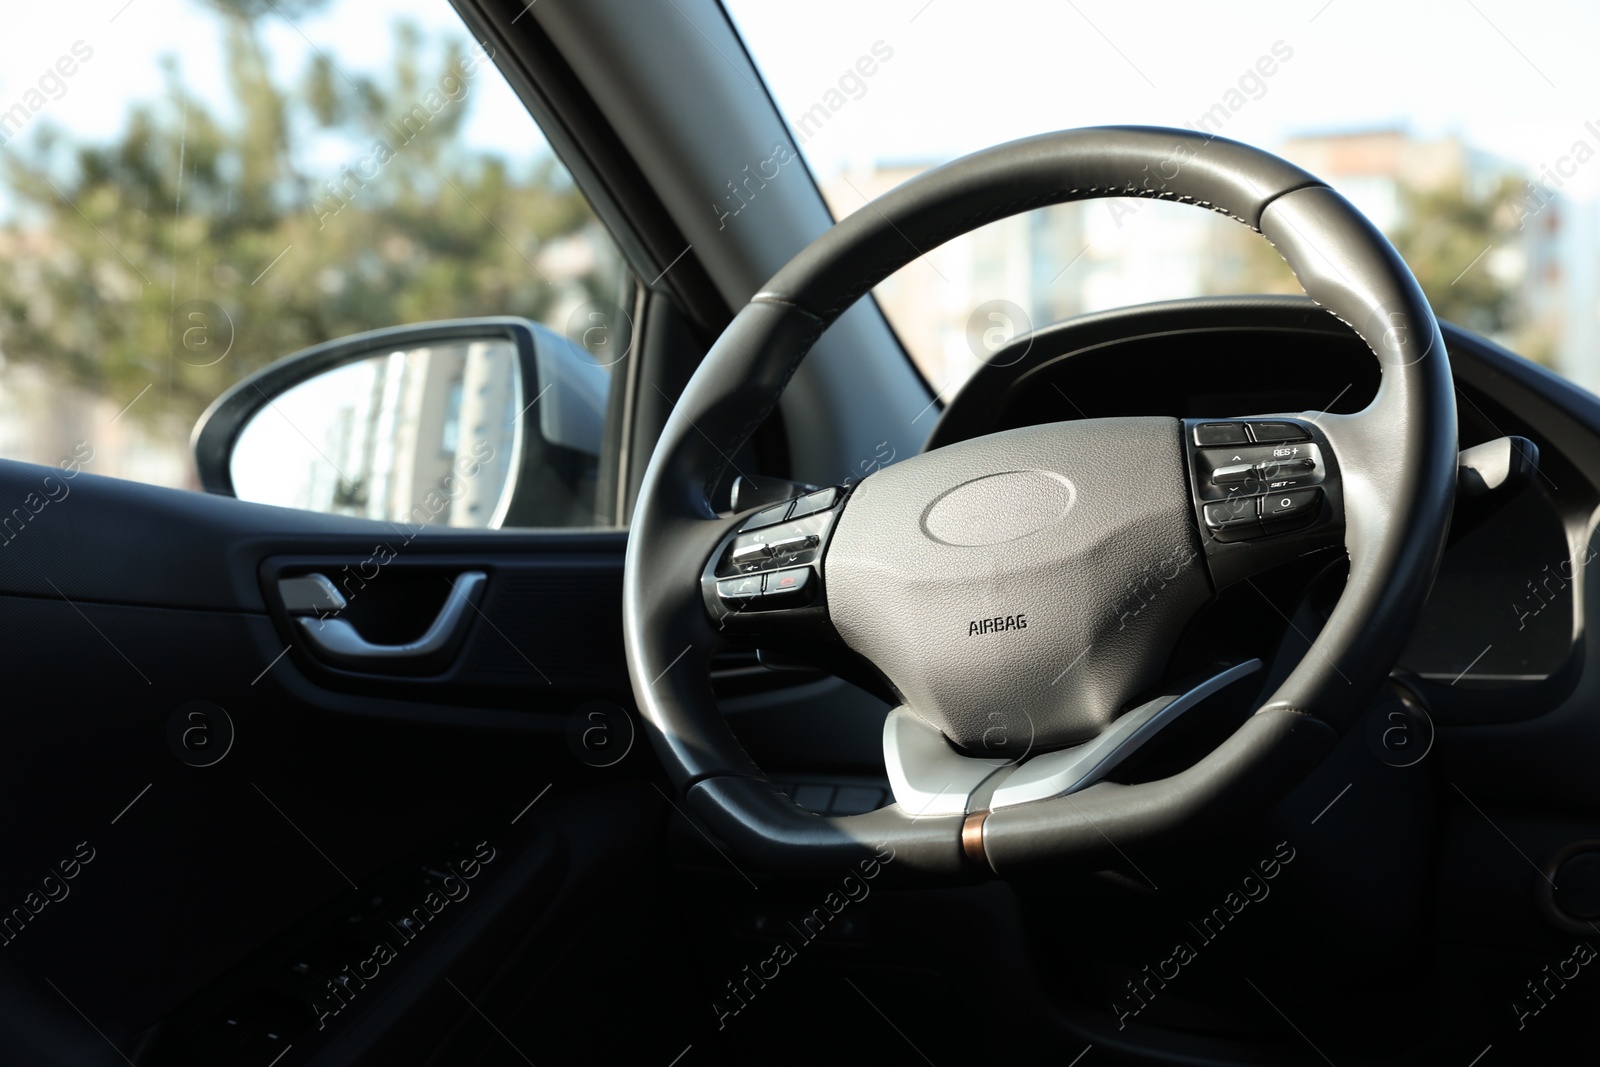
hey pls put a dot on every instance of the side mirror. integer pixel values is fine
(470, 422)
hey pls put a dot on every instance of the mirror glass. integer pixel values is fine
(423, 435)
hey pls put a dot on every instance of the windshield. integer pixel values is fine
(1467, 132)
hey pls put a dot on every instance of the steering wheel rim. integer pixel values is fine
(1397, 457)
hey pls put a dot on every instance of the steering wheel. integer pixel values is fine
(1022, 593)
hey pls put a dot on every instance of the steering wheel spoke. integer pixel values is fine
(930, 777)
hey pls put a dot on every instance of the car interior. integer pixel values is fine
(1203, 682)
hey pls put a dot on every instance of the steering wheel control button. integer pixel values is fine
(1302, 505)
(750, 552)
(1246, 470)
(1234, 474)
(1220, 433)
(811, 503)
(766, 572)
(736, 592)
(783, 587)
(1233, 520)
(1278, 493)
(768, 516)
(1277, 431)
(792, 546)
(787, 544)
(1277, 477)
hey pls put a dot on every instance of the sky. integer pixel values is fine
(128, 38)
(1514, 79)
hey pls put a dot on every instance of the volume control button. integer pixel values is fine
(751, 553)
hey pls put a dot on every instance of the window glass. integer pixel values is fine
(192, 189)
(1466, 132)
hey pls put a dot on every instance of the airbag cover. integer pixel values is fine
(1018, 589)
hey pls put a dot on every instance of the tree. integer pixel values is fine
(193, 202)
(1447, 237)
(1444, 230)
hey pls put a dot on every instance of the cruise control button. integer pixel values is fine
(1278, 431)
(767, 517)
(1233, 520)
(1280, 506)
(1234, 474)
(1220, 433)
(794, 583)
(1287, 468)
(811, 503)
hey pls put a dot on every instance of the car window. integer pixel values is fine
(1475, 154)
(179, 209)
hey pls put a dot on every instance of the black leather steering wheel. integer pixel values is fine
(989, 581)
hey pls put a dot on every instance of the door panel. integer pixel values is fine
(223, 800)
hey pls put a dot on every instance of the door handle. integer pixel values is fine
(339, 641)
